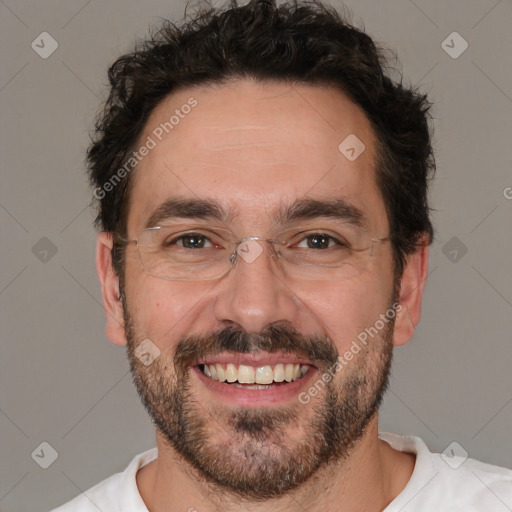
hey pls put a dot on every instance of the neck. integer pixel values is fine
(366, 481)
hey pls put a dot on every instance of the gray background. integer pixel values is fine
(64, 383)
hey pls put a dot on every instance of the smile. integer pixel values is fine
(261, 376)
(255, 379)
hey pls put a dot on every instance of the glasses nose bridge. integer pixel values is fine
(236, 250)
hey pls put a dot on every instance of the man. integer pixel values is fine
(262, 189)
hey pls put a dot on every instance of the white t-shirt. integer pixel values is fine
(437, 484)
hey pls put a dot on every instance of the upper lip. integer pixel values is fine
(255, 359)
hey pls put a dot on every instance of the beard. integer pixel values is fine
(262, 453)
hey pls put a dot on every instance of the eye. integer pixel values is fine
(319, 241)
(190, 241)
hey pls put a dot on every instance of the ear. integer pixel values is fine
(411, 292)
(110, 289)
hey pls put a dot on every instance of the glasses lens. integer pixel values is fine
(178, 253)
(325, 255)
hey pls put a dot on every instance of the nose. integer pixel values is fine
(254, 293)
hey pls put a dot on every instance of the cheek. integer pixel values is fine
(162, 310)
(346, 308)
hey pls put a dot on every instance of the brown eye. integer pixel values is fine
(190, 241)
(318, 241)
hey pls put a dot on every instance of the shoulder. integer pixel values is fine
(473, 482)
(102, 496)
(440, 482)
(117, 493)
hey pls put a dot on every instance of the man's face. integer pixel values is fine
(256, 149)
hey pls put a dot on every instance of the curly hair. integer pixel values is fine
(300, 41)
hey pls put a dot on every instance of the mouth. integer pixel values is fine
(255, 382)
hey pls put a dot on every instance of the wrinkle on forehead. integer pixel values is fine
(251, 153)
(255, 145)
(223, 129)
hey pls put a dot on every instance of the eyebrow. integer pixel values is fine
(187, 208)
(307, 208)
(300, 209)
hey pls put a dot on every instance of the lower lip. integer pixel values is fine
(277, 395)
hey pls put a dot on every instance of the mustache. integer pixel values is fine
(281, 338)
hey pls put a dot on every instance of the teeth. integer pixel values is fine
(252, 386)
(279, 372)
(246, 374)
(221, 374)
(255, 375)
(289, 370)
(231, 373)
(264, 375)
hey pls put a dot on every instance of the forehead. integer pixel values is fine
(255, 147)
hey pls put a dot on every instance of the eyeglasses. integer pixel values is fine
(187, 253)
